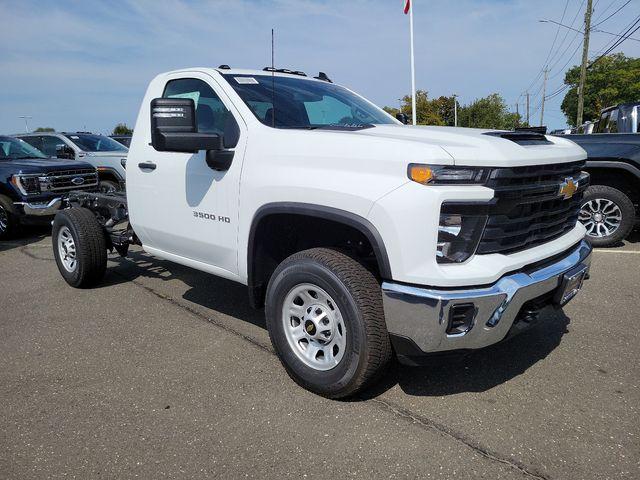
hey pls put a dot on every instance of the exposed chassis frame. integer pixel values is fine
(113, 215)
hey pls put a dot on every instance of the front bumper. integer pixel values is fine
(420, 316)
(39, 209)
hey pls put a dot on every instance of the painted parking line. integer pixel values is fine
(604, 250)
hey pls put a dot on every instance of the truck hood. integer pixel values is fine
(475, 147)
(41, 165)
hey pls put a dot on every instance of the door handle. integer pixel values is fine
(147, 166)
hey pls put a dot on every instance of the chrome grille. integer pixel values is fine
(79, 179)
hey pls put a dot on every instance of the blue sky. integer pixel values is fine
(85, 64)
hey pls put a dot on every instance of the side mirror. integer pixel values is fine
(65, 151)
(402, 117)
(174, 127)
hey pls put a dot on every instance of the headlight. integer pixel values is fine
(447, 175)
(26, 184)
(458, 236)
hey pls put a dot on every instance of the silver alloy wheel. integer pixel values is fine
(601, 217)
(314, 326)
(67, 249)
(4, 220)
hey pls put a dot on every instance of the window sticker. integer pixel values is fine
(195, 96)
(246, 80)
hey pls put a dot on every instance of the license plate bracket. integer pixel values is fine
(570, 284)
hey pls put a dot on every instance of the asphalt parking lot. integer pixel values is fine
(164, 372)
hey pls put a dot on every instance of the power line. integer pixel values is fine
(623, 5)
(625, 36)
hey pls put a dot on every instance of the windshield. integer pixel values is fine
(303, 103)
(14, 148)
(96, 143)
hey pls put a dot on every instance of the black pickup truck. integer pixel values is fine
(612, 203)
(33, 186)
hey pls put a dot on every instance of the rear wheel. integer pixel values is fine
(8, 221)
(607, 214)
(79, 247)
(326, 322)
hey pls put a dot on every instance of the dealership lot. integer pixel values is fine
(166, 372)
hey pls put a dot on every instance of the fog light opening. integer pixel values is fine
(461, 318)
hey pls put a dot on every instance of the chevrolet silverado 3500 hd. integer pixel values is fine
(361, 236)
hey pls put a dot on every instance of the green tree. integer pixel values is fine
(45, 129)
(611, 80)
(122, 129)
(488, 112)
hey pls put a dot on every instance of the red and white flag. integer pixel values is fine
(407, 6)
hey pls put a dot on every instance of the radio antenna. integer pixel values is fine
(273, 81)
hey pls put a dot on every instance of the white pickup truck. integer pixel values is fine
(361, 236)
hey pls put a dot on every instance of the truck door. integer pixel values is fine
(184, 210)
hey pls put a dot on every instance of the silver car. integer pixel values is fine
(108, 156)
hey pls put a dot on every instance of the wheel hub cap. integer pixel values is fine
(601, 217)
(314, 327)
(67, 249)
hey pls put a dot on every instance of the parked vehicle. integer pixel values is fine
(611, 207)
(621, 118)
(361, 236)
(33, 186)
(104, 153)
(123, 139)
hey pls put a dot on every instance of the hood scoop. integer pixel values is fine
(524, 138)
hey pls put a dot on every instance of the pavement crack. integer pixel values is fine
(444, 430)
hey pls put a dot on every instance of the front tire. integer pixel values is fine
(8, 221)
(607, 214)
(326, 322)
(79, 247)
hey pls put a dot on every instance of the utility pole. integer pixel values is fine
(455, 110)
(414, 114)
(518, 112)
(544, 94)
(26, 124)
(528, 124)
(585, 59)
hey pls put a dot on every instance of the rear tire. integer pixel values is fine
(8, 221)
(607, 214)
(79, 247)
(335, 296)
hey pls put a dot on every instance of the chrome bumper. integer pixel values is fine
(421, 315)
(40, 209)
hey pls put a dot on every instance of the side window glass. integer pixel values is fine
(211, 113)
(613, 122)
(50, 145)
(34, 141)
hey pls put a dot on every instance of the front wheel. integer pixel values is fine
(79, 247)
(8, 221)
(607, 214)
(326, 322)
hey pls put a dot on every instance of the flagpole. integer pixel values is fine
(413, 68)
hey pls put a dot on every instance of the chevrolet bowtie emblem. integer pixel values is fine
(568, 188)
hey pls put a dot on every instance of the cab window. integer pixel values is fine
(211, 114)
